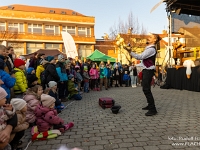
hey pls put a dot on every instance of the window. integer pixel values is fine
(73, 13)
(81, 31)
(35, 28)
(52, 46)
(63, 13)
(70, 29)
(10, 7)
(88, 32)
(2, 26)
(33, 47)
(16, 27)
(51, 11)
(51, 29)
(85, 50)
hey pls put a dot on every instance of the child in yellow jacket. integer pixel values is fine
(21, 84)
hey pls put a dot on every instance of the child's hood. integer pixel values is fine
(41, 110)
(29, 97)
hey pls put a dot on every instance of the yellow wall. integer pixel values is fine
(48, 19)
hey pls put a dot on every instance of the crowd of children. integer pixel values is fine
(35, 89)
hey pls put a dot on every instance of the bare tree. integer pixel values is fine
(132, 32)
(6, 35)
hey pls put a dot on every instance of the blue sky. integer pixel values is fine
(108, 12)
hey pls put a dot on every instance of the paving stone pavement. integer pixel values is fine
(176, 126)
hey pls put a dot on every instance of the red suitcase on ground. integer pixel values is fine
(106, 102)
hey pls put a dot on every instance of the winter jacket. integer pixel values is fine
(21, 81)
(4, 116)
(55, 95)
(9, 82)
(115, 76)
(71, 88)
(86, 76)
(108, 72)
(133, 71)
(79, 78)
(94, 74)
(103, 72)
(51, 73)
(61, 70)
(38, 62)
(33, 63)
(21, 124)
(46, 118)
(32, 103)
(39, 70)
(126, 77)
(8, 64)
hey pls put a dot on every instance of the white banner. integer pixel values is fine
(70, 47)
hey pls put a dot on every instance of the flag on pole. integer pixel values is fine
(70, 47)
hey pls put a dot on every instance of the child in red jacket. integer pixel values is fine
(47, 117)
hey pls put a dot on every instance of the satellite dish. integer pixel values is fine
(156, 6)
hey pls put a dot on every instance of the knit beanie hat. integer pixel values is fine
(47, 100)
(60, 57)
(18, 63)
(70, 76)
(18, 103)
(52, 84)
(3, 93)
(85, 68)
(77, 66)
(2, 64)
(29, 70)
(49, 58)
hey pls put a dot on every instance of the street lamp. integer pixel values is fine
(120, 43)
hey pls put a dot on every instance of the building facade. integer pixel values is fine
(29, 28)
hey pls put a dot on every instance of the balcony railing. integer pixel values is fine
(48, 36)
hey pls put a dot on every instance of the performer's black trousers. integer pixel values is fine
(146, 87)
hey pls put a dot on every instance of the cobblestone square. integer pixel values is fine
(99, 129)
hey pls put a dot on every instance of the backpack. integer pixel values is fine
(43, 77)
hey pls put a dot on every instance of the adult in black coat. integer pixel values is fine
(50, 70)
(117, 75)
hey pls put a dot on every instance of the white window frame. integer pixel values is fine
(33, 26)
(53, 28)
(16, 26)
(69, 29)
(88, 35)
(52, 46)
(82, 29)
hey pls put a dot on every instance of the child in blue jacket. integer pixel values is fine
(126, 78)
(8, 80)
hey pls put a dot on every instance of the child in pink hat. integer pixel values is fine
(47, 116)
